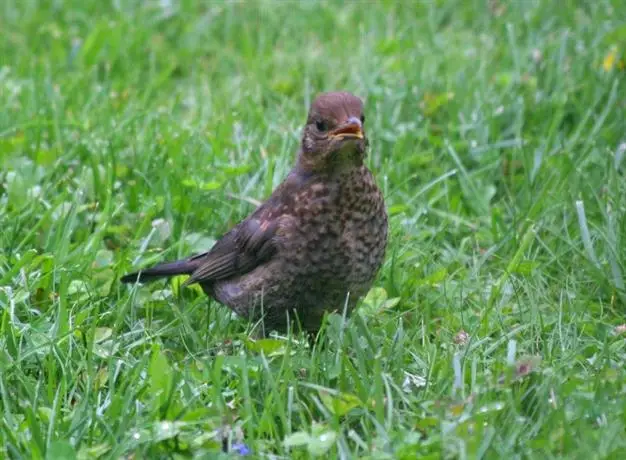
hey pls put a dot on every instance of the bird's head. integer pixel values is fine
(334, 136)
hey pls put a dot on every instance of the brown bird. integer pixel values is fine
(315, 245)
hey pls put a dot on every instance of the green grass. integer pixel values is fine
(134, 131)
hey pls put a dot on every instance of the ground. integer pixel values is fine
(139, 131)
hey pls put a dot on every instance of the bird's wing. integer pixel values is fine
(255, 240)
(245, 247)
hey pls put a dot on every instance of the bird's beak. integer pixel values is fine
(351, 129)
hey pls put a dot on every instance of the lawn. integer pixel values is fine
(138, 131)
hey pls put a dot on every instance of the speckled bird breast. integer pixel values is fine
(331, 241)
(342, 226)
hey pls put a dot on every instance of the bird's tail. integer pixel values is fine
(180, 267)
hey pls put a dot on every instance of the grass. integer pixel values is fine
(139, 131)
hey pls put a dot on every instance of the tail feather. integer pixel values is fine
(180, 267)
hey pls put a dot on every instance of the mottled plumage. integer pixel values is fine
(320, 236)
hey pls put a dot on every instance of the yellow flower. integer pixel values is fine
(611, 60)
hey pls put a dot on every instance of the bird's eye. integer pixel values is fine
(362, 119)
(321, 125)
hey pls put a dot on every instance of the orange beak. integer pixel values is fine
(352, 129)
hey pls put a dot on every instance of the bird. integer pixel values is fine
(314, 246)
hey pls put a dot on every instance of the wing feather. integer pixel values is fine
(240, 251)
